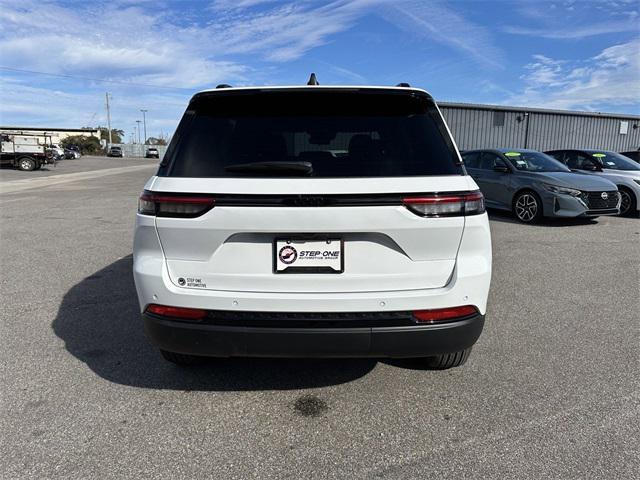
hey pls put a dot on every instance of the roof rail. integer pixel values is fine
(223, 85)
(313, 80)
(403, 84)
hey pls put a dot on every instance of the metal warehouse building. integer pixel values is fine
(493, 126)
(56, 134)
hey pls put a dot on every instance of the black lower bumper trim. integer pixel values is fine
(243, 341)
(606, 211)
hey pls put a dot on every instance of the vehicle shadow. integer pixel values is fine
(507, 217)
(100, 324)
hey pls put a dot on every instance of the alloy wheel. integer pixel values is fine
(625, 202)
(526, 207)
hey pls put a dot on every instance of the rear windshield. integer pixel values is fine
(311, 134)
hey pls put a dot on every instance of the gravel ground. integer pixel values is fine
(550, 391)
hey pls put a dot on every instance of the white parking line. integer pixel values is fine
(44, 182)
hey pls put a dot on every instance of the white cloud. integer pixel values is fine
(574, 32)
(283, 33)
(437, 22)
(230, 41)
(563, 21)
(237, 4)
(121, 43)
(610, 78)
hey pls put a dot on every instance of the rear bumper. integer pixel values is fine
(230, 341)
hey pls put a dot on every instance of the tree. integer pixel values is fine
(86, 144)
(156, 141)
(116, 134)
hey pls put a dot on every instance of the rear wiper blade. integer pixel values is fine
(266, 167)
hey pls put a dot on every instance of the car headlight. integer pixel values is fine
(564, 190)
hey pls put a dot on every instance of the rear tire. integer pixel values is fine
(448, 360)
(527, 207)
(628, 204)
(26, 164)
(181, 358)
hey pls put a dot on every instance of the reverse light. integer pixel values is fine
(446, 205)
(179, 313)
(444, 314)
(174, 205)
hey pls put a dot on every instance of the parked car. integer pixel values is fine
(68, 153)
(622, 171)
(254, 239)
(59, 151)
(53, 155)
(152, 152)
(633, 155)
(532, 185)
(115, 152)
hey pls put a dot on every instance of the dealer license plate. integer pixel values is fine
(308, 256)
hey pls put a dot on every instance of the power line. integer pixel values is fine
(76, 77)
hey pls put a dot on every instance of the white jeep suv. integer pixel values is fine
(313, 222)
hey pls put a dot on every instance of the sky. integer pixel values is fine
(58, 58)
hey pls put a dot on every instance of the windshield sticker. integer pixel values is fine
(512, 154)
(611, 163)
(521, 162)
(598, 155)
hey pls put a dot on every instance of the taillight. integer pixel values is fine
(179, 313)
(444, 314)
(446, 205)
(174, 205)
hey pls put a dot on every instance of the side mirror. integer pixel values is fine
(501, 168)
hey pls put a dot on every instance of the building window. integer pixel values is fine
(498, 118)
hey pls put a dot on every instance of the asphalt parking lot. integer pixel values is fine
(551, 390)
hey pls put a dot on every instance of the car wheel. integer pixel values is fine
(181, 358)
(527, 207)
(27, 164)
(448, 360)
(627, 202)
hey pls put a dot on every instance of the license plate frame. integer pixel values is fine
(296, 242)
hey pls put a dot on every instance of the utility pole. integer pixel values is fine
(138, 122)
(106, 95)
(144, 122)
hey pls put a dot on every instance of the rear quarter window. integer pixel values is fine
(340, 133)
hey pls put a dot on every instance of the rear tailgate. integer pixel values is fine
(386, 247)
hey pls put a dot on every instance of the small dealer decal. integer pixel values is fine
(191, 282)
